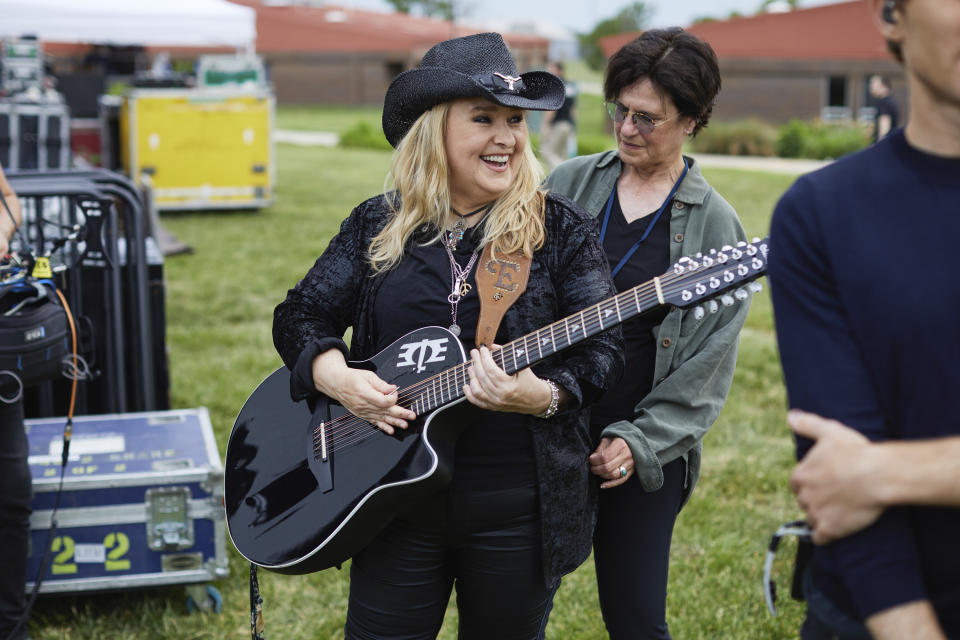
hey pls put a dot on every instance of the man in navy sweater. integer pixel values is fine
(867, 306)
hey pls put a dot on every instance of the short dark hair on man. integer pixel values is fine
(677, 62)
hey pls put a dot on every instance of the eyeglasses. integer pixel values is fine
(643, 123)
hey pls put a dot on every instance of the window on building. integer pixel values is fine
(394, 69)
(837, 103)
(837, 91)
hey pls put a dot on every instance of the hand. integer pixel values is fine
(491, 388)
(361, 392)
(606, 461)
(834, 481)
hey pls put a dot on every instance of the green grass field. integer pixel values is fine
(219, 308)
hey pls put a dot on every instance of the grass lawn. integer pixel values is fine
(219, 307)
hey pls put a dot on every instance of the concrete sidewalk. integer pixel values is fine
(787, 166)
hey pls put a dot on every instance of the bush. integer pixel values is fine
(588, 144)
(362, 135)
(819, 141)
(737, 138)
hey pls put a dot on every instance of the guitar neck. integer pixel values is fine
(526, 351)
(690, 281)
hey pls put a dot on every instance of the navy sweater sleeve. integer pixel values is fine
(825, 372)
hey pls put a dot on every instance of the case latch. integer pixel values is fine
(168, 525)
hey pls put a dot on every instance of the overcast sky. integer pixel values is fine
(581, 15)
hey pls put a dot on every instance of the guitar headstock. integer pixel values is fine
(703, 277)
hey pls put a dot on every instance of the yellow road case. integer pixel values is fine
(203, 148)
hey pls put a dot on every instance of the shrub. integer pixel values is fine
(737, 138)
(819, 141)
(362, 135)
(588, 144)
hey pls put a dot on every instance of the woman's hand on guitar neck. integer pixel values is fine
(361, 392)
(491, 388)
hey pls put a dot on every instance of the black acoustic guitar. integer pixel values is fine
(306, 490)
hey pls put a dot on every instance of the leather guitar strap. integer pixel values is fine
(500, 281)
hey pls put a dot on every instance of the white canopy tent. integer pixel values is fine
(167, 23)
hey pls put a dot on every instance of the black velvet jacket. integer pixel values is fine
(568, 273)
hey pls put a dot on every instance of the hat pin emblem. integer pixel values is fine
(510, 80)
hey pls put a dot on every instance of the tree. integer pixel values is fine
(633, 17)
(435, 8)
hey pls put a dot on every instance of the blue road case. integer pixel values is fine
(142, 502)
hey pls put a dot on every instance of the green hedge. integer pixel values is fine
(737, 138)
(819, 141)
(588, 143)
(364, 136)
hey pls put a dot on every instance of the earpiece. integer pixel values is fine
(888, 8)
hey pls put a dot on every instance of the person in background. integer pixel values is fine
(654, 207)
(558, 128)
(861, 272)
(519, 512)
(887, 117)
(16, 485)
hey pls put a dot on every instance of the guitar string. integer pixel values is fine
(344, 431)
(416, 392)
(339, 426)
(352, 429)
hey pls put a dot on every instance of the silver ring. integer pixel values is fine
(623, 472)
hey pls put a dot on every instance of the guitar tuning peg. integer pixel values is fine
(713, 251)
(741, 294)
(698, 312)
(755, 240)
(742, 243)
(755, 287)
(699, 254)
(727, 300)
(712, 306)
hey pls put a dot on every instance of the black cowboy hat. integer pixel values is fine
(477, 65)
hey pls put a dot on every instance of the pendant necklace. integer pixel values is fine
(459, 287)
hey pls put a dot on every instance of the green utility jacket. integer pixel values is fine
(695, 358)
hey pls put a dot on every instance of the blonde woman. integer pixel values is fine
(518, 513)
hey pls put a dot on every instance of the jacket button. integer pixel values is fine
(678, 205)
(665, 343)
(678, 237)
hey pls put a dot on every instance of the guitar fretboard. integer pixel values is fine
(447, 386)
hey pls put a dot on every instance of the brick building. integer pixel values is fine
(806, 63)
(334, 55)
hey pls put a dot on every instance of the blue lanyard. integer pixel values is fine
(606, 219)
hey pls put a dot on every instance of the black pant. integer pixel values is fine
(15, 494)
(485, 542)
(631, 551)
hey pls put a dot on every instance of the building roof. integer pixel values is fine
(842, 31)
(334, 29)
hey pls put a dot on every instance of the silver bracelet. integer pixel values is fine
(554, 401)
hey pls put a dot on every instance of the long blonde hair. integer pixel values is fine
(420, 177)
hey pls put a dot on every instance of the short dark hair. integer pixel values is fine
(677, 62)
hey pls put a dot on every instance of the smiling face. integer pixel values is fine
(664, 145)
(484, 143)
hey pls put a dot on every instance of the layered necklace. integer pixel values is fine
(459, 287)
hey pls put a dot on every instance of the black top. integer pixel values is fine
(497, 452)
(651, 259)
(568, 273)
(565, 112)
(866, 306)
(886, 106)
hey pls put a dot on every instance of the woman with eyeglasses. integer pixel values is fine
(654, 207)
